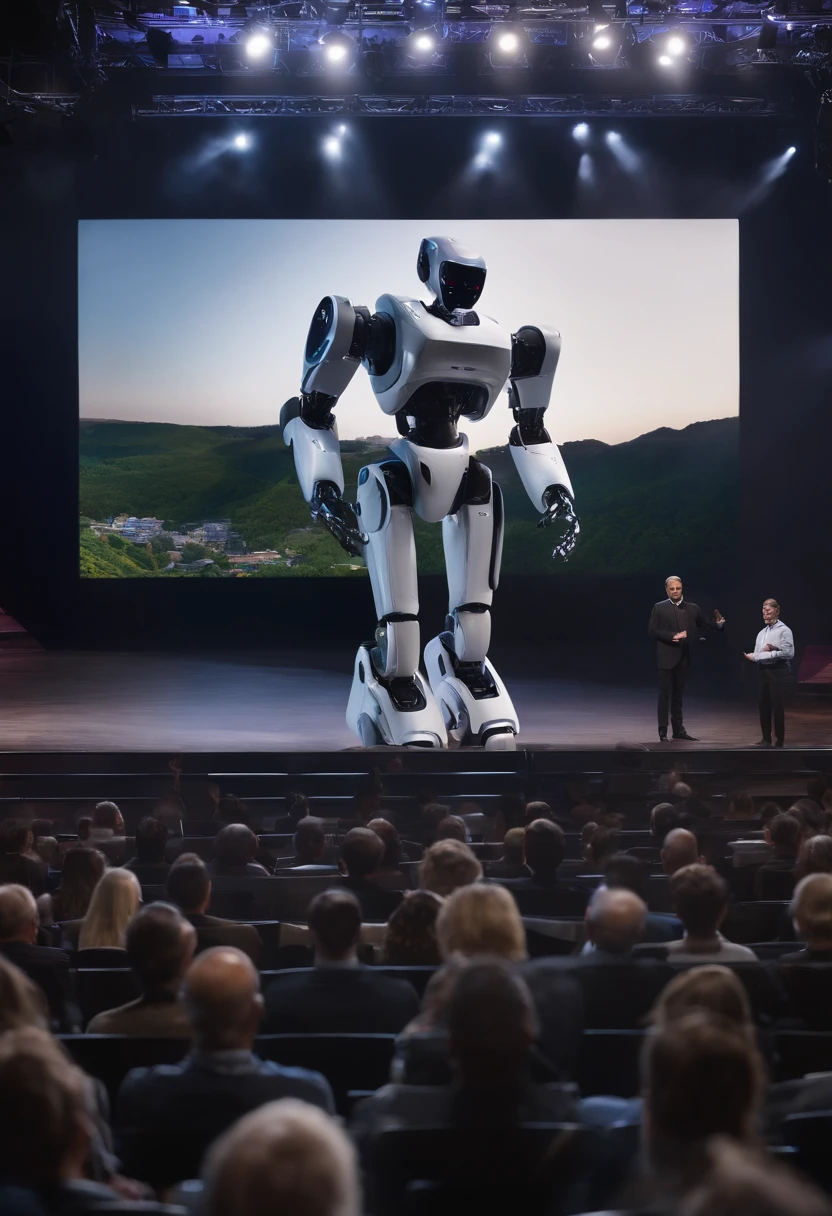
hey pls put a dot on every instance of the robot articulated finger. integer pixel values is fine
(430, 365)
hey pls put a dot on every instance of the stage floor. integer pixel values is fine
(104, 702)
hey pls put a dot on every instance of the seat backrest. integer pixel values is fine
(100, 988)
(798, 1052)
(348, 1061)
(109, 1057)
(811, 1134)
(753, 922)
(808, 989)
(609, 1062)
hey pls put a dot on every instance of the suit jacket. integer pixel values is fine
(619, 990)
(666, 620)
(213, 931)
(536, 896)
(148, 1018)
(14, 867)
(339, 1000)
(377, 904)
(49, 969)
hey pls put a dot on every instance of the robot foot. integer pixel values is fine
(475, 705)
(398, 712)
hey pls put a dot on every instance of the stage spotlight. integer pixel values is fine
(493, 139)
(675, 45)
(242, 142)
(342, 130)
(337, 50)
(613, 137)
(332, 147)
(508, 43)
(665, 61)
(580, 132)
(791, 151)
(423, 43)
(258, 45)
(601, 42)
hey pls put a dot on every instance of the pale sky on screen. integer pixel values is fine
(204, 321)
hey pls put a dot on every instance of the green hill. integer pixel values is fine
(667, 497)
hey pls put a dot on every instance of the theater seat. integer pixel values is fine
(348, 1061)
(811, 1135)
(798, 1052)
(609, 1062)
(759, 921)
(103, 988)
(109, 1057)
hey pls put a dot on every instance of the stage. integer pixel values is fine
(67, 701)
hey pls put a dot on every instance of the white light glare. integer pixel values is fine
(424, 43)
(332, 147)
(675, 45)
(257, 46)
(493, 139)
(665, 61)
(336, 52)
(791, 151)
(342, 130)
(613, 137)
(508, 42)
(482, 160)
(602, 43)
(241, 142)
(580, 131)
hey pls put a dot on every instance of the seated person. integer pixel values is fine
(235, 847)
(491, 1029)
(107, 832)
(628, 872)
(512, 863)
(338, 995)
(310, 848)
(222, 1078)
(410, 940)
(544, 893)
(812, 913)
(700, 898)
(680, 848)
(113, 905)
(362, 853)
(284, 1157)
(389, 871)
(17, 864)
(448, 865)
(82, 872)
(45, 967)
(160, 946)
(452, 828)
(188, 886)
(775, 879)
(149, 864)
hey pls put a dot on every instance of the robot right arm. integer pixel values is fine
(335, 346)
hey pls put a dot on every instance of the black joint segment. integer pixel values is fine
(393, 618)
(498, 517)
(528, 350)
(397, 479)
(472, 608)
(477, 483)
(360, 333)
(289, 410)
(316, 410)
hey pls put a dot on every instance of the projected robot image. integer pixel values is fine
(430, 365)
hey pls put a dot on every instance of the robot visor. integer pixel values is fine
(461, 285)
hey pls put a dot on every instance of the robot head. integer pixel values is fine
(453, 272)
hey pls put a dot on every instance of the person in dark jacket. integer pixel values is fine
(17, 861)
(235, 847)
(188, 886)
(149, 864)
(674, 623)
(544, 893)
(45, 966)
(339, 995)
(362, 854)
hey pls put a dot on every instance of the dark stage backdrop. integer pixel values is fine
(689, 169)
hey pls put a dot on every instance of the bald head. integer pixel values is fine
(222, 996)
(680, 848)
(18, 914)
(615, 920)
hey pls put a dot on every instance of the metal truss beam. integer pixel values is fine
(452, 105)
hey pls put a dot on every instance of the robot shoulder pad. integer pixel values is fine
(333, 346)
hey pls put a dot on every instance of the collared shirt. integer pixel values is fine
(779, 636)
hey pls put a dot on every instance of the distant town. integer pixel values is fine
(215, 536)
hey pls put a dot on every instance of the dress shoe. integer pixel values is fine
(684, 735)
(779, 743)
(662, 738)
(763, 743)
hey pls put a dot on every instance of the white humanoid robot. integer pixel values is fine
(429, 365)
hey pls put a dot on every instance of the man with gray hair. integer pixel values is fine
(673, 625)
(45, 966)
(285, 1157)
(773, 653)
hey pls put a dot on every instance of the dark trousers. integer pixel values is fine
(671, 690)
(773, 684)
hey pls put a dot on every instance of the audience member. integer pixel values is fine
(775, 879)
(452, 828)
(391, 860)
(709, 989)
(222, 1078)
(815, 857)
(680, 792)
(309, 843)
(624, 870)
(230, 810)
(84, 829)
(447, 865)
(362, 854)
(702, 1077)
(286, 1157)
(188, 886)
(160, 947)
(431, 815)
(536, 810)
(700, 898)
(491, 1028)
(46, 1127)
(45, 966)
(149, 863)
(512, 864)
(481, 919)
(738, 1180)
(543, 893)
(49, 852)
(17, 865)
(741, 806)
(663, 819)
(810, 816)
(767, 812)
(680, 848)
(235, 847)
(812, 914)
(112, 906)
(338, 995)
(82, 872)
(22, 1002)
(297, 809)
(411, 939)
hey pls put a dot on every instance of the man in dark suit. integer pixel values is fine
(189, 887)
(222, 1079)
(338, 996)
(544, 894)
(362, 854)
(47, 968)
(18, 862)
(673, 625)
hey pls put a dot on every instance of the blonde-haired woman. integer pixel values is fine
(481, 919)
(114, 902)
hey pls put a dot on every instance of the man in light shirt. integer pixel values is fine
(773, 654)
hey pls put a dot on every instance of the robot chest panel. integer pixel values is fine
(430, 351)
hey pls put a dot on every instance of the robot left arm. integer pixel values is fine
(335, 345)
(534, 359)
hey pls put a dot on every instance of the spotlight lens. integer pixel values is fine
(791, 151)
(493, 139)
(665, 61)
(675, 45)
(613, 137)
(602, 43)
(481, 160)
(257, 46)
(336, 53)
(580, 130)
(508, 43)
(342, 130)
(241, 142)
(332, 146)
(424, 43)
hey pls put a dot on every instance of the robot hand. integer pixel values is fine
(339, 516)
(559, 505)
